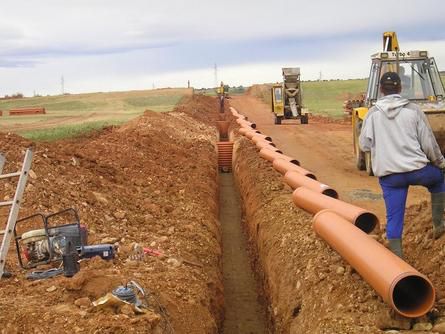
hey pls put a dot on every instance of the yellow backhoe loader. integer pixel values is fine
(421, 84)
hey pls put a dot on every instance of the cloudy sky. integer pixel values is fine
(104, 45)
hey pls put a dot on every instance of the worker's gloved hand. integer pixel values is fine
(441, 166)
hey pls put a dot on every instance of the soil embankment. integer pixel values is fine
(151, 182)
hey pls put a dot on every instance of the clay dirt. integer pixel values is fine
(153, 182)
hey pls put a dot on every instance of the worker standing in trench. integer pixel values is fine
(404, 152)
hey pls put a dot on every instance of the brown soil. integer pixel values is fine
(244, 312)
(133, 184)
(154, 182)
(309, 287)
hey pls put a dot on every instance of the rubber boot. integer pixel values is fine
(395, 245)
(437, 207)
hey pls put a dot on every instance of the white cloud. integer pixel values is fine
(111, 44)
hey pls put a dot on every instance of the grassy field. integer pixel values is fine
(322, 97)
(327, 97)
(70, 115)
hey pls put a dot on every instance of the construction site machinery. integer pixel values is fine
(223, 90)
(421, 84)
(286, 97)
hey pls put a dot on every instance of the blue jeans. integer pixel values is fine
(395, 189)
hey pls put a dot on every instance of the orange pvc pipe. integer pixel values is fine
(315, 202)
(249, 133)
(407, 291)
(270, 155)
(284, 166)
(296, 180)
(264, 143)
(259, 137)
(245, 123)
(234, 112)
(223, 128)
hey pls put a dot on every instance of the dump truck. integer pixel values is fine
(421, 84)
(286, 97)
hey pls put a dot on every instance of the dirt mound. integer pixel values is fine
(310, 288)
(260, 91)
(202, 108)
(131, 185)
(420, 250)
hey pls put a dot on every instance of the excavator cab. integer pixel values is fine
(286, 97)
(420, 81)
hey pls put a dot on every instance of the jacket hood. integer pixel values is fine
(391, 105)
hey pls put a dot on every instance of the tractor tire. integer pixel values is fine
(368, 164)
(304, 119)
(359, 154)
(278, 119)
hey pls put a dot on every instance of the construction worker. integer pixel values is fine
(404, 152)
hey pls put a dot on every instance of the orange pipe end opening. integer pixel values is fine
(412, 295)
(329, 191)
(366, 221)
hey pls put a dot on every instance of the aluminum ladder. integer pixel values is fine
(14, 204)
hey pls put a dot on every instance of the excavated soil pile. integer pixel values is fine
(150, 183)
(310, 288)
(422, 252)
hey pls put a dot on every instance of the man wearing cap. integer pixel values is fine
(404, 152)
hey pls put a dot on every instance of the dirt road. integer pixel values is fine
(325, 148)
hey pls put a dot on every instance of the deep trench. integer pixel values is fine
(244, 312)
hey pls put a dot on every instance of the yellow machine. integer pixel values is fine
(421, 84)
(286, 97)
(223, 90)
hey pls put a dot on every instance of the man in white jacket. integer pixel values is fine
(404, 152)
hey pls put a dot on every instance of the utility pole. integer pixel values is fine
(216, 75)
(62, 83)
(320, 77)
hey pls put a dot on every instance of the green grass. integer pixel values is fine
(327, 97)
(151, 101)
(66, 131)
(79, 113)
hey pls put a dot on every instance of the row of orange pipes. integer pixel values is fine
(407, 291)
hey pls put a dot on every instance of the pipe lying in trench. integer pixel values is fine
(225, 149)
(296, 180)
(405, 289)
(315, 202)
(270, 155)
(223, 128)
(283, 166)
